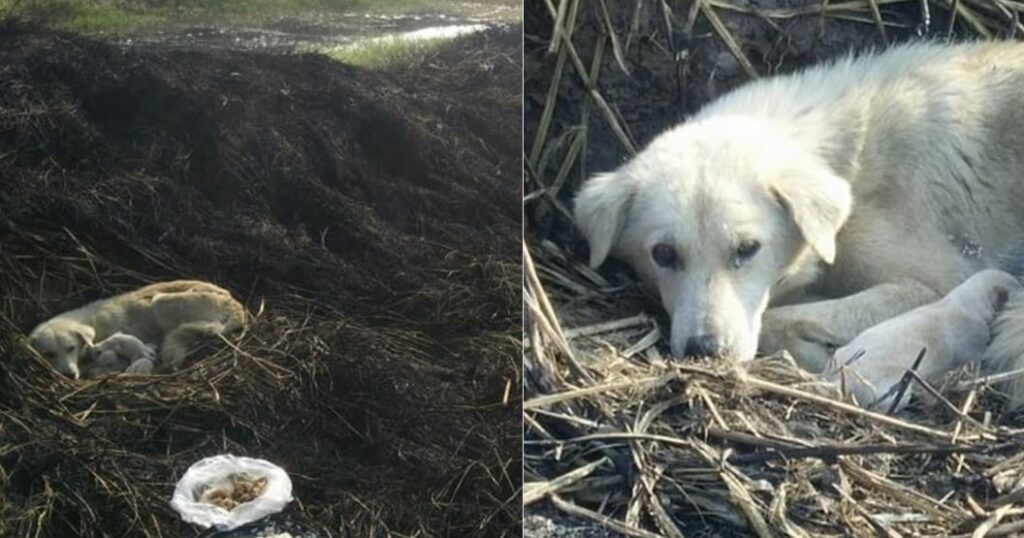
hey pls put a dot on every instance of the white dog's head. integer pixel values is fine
(713, 214)
(63, 343)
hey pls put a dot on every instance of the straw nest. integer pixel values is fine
(368, 222)
(619, 435)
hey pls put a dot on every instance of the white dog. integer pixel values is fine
(951, 332)
(176, 314)
(118, 353)
(826, 201)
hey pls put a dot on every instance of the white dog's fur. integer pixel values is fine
(953, 332)
(177, 315)
(118, 353)
(826, 201)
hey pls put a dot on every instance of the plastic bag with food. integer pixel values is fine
(227, 492)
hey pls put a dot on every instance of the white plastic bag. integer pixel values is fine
(276, 495)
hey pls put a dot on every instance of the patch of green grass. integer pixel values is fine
(384, 53)
(78, 15)
(92, 19)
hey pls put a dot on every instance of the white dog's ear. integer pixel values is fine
(999, 295)
(819, 206)
(85, 335)
(34, 341)
(601, 208)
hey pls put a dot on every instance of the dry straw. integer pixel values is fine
(618, 434)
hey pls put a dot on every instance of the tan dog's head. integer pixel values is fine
(984, 293)
(713, 214)
(63, 343)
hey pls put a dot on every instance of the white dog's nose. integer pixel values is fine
(707, 345)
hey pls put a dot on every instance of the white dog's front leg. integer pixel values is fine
(811, 332)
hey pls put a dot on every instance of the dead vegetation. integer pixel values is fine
(618, 433)
(367, 221)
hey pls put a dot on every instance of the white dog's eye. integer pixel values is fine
(664, 255)
(746, 251)
(70, 349)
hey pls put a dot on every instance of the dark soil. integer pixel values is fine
(370, 222)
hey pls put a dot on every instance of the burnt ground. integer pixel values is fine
(369, 221)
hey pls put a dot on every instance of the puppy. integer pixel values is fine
(119, 353)
(177, 314)
(953, 332)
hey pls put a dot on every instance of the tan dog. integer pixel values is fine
(953, 331)
(177, 315)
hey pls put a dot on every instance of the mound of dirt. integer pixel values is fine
(368, 220)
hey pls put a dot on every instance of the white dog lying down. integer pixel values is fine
(826, 202)
(177, 314)
(118, 353)
(953, 331)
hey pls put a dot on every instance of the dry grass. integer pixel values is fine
(618, 433)
(763, 448)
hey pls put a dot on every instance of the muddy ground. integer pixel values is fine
(369, 221)
(310, 32)
(671, 73)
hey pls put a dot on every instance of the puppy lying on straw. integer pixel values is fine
(119, 353)
(950, 333)
(175, 315)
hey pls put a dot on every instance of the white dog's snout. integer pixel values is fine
(699, 340)
(678, 348)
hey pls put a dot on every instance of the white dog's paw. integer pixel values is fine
(811, 345)
(140, 367)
